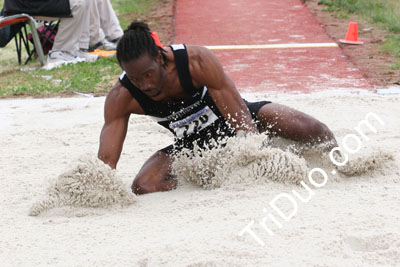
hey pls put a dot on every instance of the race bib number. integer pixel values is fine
(194, 123)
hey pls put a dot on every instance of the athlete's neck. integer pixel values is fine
(171, 87)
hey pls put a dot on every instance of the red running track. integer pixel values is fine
(250, 22)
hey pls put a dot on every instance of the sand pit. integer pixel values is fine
(351, 220)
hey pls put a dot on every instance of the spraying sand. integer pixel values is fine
(89, 183)
(241, 160)
(353, 220)
(254, 160)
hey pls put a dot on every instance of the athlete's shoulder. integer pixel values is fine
(200, 58)
(198, 52)
(203, 65)
(120, 101)
(195, 53)
(118, 93)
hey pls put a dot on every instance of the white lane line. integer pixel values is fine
(270, 46)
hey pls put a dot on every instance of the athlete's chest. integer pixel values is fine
(174, 90)
(190, 115)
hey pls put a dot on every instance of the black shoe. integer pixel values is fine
(99, 45)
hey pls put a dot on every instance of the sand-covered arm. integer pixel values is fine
(206, 70)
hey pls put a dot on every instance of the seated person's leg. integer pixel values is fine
(96, 34)
(66, 47)
(109, 21)
(105, 30)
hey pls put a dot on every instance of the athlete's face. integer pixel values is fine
(146, 74)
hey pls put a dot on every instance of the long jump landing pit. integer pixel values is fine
(268, 45)
(351, 221)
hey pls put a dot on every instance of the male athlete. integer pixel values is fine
(188, 92)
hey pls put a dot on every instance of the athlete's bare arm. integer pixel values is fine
(118, 106)
(153, 176)
(206, 69)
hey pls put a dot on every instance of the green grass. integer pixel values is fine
(341, 16)
(392, 45)
(130, 10)
(384, 13)
(331, 9)
(97, 77)
(325, 2)
(394, 66)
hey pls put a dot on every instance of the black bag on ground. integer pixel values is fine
(47, 8)
(8, 32)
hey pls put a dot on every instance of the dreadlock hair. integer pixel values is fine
(136, 41)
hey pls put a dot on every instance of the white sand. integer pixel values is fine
(350, 221)
(87, 183)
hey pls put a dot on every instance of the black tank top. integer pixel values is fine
(194, 118)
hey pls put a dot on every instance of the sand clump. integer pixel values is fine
(242, 160)
(365, 163)
(87, 183)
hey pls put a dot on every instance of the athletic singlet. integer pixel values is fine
(194, 118)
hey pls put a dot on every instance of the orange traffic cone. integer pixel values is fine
(352, 35)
